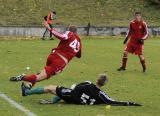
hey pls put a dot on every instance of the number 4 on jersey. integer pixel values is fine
(86, 98)
(75, 45)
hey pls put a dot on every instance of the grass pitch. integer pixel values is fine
(99, 55)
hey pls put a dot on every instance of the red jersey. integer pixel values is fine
(69, 46)
(137, 30)
(51, 19)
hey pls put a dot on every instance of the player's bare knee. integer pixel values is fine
(141, 57)
(41, 76)
(50, 89)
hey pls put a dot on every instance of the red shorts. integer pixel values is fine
(54, 65)
(134, 49)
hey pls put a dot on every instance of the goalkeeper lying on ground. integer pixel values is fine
(83, 93)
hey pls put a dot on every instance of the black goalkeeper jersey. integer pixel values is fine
(88, 93)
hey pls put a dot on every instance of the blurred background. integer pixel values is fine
(78, 12)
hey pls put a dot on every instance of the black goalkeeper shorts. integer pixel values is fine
(64, 93)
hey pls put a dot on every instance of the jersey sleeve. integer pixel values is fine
(49, 19)
(146, 34)
(82, 85)
(59, 35)
(107, 100)
(129, 31)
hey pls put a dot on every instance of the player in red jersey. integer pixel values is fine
(51, 19)
(138, 32)
(68, 48)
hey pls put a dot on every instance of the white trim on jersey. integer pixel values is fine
(127, 32)
(147, 33)
(59, 35)
(66, 35)
(88, 82)
(105, 97)
(129, 29)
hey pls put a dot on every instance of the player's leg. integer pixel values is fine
(60, 92)
(26, 90)
(43, 37)
(124, 61)
(31, 78)
(55, 64)
(139, 52)
(142, 60)
(51, 38)
(35, 77)
(46, 73)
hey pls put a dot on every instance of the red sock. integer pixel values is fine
(31, 78)
(124, 62)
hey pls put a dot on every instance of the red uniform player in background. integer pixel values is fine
(138, 32)
(68, 48)
(51, 19)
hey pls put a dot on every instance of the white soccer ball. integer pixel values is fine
(27, 68)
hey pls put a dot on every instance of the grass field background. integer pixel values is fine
(78, 12)
(99, 55)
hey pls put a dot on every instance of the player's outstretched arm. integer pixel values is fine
(108, 100)
(56, 33)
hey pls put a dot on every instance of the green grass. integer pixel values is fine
(5, 109)
(78, 12)
(99, 55)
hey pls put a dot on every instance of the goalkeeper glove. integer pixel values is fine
(133, 104)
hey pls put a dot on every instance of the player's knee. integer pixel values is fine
(41, 76)
(50, 89)
(141, 57)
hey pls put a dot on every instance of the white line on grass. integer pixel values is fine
(16, 105)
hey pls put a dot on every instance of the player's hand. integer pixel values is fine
(44, 101)
(140, 41)
(133, 104)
